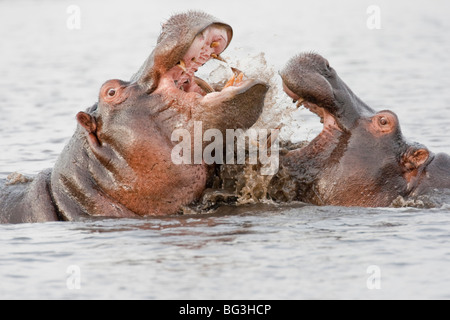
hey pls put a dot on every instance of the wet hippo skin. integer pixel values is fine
(118, 163)
(361, 157)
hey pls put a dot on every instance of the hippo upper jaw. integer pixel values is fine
(207, 45)
(190, 91)
(311, 82)
(187, 42)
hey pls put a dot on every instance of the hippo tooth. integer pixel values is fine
(215, 56)
(300, 102)
(236, 71)
(182, 65)
(214, 44)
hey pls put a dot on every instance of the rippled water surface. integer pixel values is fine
(49, 73)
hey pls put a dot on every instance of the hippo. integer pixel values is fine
(361, 157)
(118, 163)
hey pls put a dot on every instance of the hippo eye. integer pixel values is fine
(383, 121)
(114, 92)
(111, 92)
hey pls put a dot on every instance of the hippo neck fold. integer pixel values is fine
(75, 191)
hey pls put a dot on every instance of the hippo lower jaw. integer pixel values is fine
(168, 88)
(231, 92)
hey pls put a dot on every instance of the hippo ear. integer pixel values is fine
(414, 158)
(89, 123)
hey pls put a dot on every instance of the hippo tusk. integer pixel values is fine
(235, 80)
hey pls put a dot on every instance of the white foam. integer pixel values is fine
(279, 111)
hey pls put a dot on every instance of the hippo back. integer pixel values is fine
(25, 200)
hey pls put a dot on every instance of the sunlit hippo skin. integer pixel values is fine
(118, 163)
(361, 157)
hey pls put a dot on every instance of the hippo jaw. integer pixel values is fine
(310, 80)
(207, 45)
(180, 85)
(187, 42)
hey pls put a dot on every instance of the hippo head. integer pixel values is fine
(360, 158)
(123, 144)
(128, 151)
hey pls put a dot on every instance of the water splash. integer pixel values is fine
(438, 198)
(243, 184)
(278, 108)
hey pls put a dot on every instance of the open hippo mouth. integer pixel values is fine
(310, 81)
(207, 45)
(181, 77)
(326, 118)
(187, 42)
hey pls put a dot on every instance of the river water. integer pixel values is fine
(53, 65)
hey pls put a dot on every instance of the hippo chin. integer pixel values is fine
(118, 163)
(361, 157)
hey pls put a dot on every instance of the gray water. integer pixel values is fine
(50, 72)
